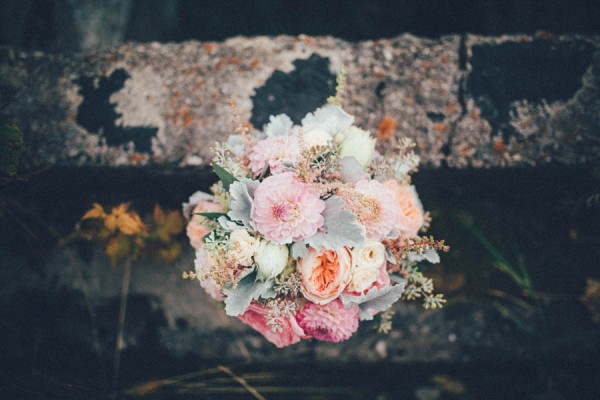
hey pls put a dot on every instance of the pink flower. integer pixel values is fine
(256, 317)
(377, 210)
(411, 216)
(196, 228)
(325, 274)
(286, 209)
(272, 152)
(331, 322)
(202, 264)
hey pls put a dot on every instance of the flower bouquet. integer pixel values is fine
(311, 229)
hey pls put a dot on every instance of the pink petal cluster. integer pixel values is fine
(286, 209)
(411, 216)
(196, 228)
(331, 322)
(202, 265)
(380, 212)
(255, 316)
(272, 152)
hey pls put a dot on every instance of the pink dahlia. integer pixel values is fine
(272, 152)
(289, 333)
(331, 322)
(286, 209)
(376, 209)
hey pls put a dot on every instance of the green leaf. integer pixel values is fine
(11, 142)
(224, 176)
(213, 216)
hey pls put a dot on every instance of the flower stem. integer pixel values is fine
(121, 324)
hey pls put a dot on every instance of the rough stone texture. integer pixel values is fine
(75, 300)
(466, 100)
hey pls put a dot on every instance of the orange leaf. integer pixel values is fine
(385, 129)
(171, 253)
(159, 215)
(117, 248)
(131, 224)
(97, 211)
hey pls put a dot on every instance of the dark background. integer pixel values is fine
(57, 25)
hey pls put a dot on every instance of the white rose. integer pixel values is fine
(368, 263)
(243, 246)
(359, 144)
(316, 137)
(271, 259)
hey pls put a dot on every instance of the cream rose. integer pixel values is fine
(411, 216)
(271, 259)
(325, 274)
(359, 144)
(367, 265)
(243, 246)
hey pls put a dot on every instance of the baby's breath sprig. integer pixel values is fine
(337, 100)
(383, 321)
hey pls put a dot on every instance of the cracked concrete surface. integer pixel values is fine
(467, 101)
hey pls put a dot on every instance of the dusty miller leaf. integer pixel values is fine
(299, 250)
(247, 289)
(240, 204)
(375, 300)
(340, 228)
(351, 170)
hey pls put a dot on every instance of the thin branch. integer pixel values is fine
(242, 382)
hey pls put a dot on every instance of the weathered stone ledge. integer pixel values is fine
(466, 100)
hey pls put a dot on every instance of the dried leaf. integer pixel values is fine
(118, 248)
(97, 211)
(171, 253)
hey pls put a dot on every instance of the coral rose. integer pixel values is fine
(411, 216)
(331, 322)
(325, 274)
(256, 316)
(197, 228)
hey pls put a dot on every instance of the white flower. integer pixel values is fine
(271, 259)
(243, 246)
(236, 145)
(316, 137)
(368, 262)
(279, 125)
(358, 144)
(330, 119)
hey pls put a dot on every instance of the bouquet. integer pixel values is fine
(312, 228)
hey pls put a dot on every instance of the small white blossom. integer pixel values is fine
(243, 246)
(368, 261)
(359, 144)
(271, 259)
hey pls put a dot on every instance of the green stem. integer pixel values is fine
(121, 324)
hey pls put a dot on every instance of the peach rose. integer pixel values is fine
(256, 317)
(411, 218)
(325, 274)
(196, 228)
